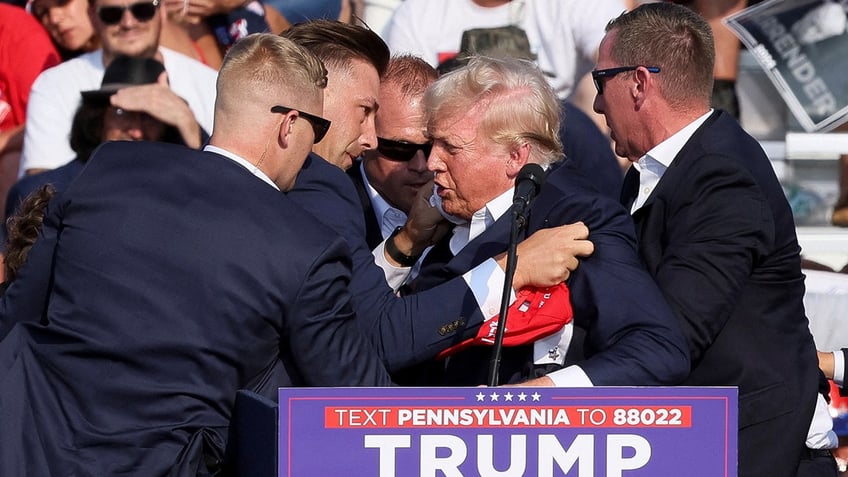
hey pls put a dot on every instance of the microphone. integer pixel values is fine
(527, 184)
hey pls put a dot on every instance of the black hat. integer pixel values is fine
(124, 71)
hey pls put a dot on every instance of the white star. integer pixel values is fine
(494, 396)
(522, 396)
(508, 396)
(480, 396)
(536, 396)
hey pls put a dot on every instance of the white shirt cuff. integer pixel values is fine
(486, 282)
(395, 276)
(839, 368)
(552, 348)
(571, 377)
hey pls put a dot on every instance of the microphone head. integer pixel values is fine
(533, 173)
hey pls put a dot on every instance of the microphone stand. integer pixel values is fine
(518, 221)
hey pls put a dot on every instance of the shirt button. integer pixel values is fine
(646, 190)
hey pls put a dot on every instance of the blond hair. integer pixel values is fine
(518, 105)
(262, 69)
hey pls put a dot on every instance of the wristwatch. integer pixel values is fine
(398, 256)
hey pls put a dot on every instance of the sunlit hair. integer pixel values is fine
(518, 105)
(411, 74)
(672, 37)
(262, 67)
(23, 228)
(337, 44)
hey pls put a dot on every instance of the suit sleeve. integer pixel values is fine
(325, 341)
(722, 229)
(632, 336)
(406, 330)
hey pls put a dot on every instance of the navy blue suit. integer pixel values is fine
(631, 335)
(152, 297)
(406, 330)
(60, 178)
(718, 236)
(590, 150)
(373, 231)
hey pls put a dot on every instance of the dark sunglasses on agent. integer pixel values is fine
(142, 11)
(319, 124)
(600, 76)
(400, 151)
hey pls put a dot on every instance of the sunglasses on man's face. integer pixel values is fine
(601, 76)
(320, 126)
(142, 11)
(401, 151)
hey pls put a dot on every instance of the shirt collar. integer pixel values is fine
(665, 152)
(241, 161)
(389, 217)
(480, 221)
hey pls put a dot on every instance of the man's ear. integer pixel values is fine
(644, 83)
(287, 128)
(517, 158)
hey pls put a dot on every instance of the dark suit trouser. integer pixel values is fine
(817, 463)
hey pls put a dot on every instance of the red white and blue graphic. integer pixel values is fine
(508, 432)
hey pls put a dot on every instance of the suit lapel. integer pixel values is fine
(630, 188)
(672, 176)
(373, 231)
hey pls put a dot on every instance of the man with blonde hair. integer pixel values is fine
(186, 276)
(406, 330)
(487, 120)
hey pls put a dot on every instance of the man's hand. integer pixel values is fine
(424, 227)
(160, 102)
(549, 255)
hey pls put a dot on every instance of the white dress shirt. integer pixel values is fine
(651, 168)
(653, 165)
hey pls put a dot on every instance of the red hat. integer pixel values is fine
(535, 313)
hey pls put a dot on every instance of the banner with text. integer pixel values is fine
(508, 432)
(801, 45)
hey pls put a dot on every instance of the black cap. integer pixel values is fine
(124, 71)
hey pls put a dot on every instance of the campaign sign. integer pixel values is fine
(508, 432)
(801, 45)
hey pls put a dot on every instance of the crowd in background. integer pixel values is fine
(77, 74)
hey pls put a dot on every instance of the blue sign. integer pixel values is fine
(801, 45)
(508, 432)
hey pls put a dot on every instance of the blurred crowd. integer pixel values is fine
(297, 91)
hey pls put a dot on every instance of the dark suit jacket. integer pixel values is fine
(717, 235)
(589, 148)
(152, 297)
(60, 178)
(631, 336)
(406, 330)
(373, 231)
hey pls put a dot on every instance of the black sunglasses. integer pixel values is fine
(599, 76)
(142, 11)
(401, 151)
(319, 124)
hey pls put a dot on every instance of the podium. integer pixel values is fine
(508, 431)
